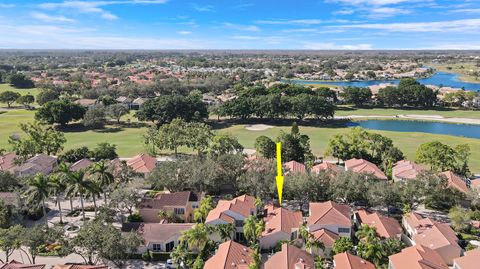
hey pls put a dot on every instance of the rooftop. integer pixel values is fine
(364, 166)
(230, 255)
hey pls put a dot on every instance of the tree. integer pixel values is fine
(171, 135)
(201, 213)
(309, 241)
(78, 185)
(20, 81)
(226, 231)
(169, 216)
(343, 244)
(39, 139)
(117, 111)
(225, 144)
(125, 198)
(101, 174)
(366, 233)
(74, 155)
(104, 151)
(197, 237)
(94, 117)
(257, 179)
(26, 100)
(412, 192)
(265, 147)
(10, 240)
(252, 229)
(442, 157)
(46, 96)
(295, 146)
(39, 190)
(57, 187)
(60, 111)
(9, 97)
(357, 96)
(34, 238)
(8, 182)
(371, 250)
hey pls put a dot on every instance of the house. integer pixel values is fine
(364, 166)
(181, 203)
(456, 182)
(331, 216)
(437, 236)
(158, 237)
(18, 265)
(475, 185)
(329, 168)
(7, 161)
(137, 103)
(386, 227)
(294, 167)
(142, 163)
(405, 170)
(86, 102)
(82, 164)
(280, 224)
(10, 199)
(79, 266)
(230, 255)
(41, 163)
(234, 212)
(470, 260)
(416, 257)
(349, 261)
(290, 257)
(327, 238)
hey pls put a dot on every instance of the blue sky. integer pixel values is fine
(240, 24)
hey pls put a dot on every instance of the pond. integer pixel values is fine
(438, 79)
(465, 130)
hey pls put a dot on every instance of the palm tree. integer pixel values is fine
(93, 191)
(225, 231)
(197, 237)
(38, 191)
(57, 187)
(309, 240)
(372, 250)
(77, 184)
(366, 233)
(63, 170)
(104, 178)
(169, 216)
(252, 229)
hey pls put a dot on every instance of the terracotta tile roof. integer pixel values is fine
(470, 260)
(10, 198)
(294, 167)
(326, 237)
(81, 165)
(18, 265)
(436, 236)
(417, 257)
(142, 163)
(230, 255)
(281, 219)
(85, 102)
(327, 167)
(243, 205)
(37, 164)
(415, 220)
(290, 257)
(456, 182)
(349, 261)
(329, 213)
(386, 227)
(475, 184)
(79, 266)
(157, 232)
(162, 200)
(406, 169)
(7, 161)
(364, 166)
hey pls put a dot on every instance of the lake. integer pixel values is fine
(438, 79)
(465, 130)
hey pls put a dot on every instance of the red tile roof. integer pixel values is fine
(81, 165)
(290, 257)
(157, 232)
(406, 170)
(470, 260)
(7, 161)
(417, 257)
(364, 166)
(243, 205)
(327, 167)
(230, 255)
(18, 265)
(281, 219)
(455, 181)
(79, 266)
(329, 213)
(142, 163)
(349, 261)
(386, 227)
(326, 237)
(162, 200)
(294, 167)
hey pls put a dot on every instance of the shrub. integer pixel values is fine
(135, 218)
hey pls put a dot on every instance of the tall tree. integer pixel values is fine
(38, 191)
(78, 185)
(101, 174)
(60, 111)
(295, 146)
(9, 97)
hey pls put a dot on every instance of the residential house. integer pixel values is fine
(79, 266)
(82, 164)
(327, 238)
(142, 163)
(456, 182)
(137, 103)
(18, 265)
(336, 218)
(290, 257)
(10, 199)
(280, 224)
(233, 211)
(158, 237)
(328, 167)
(470, 260)
(347, 260)
(364, 166)
(437, 236)
(416, 257)
(41, 163)
(182, 204)
(475, 185)
(86, 102)
(386, 227)
(230, 255)
(7, 161)
(294, 167)
(406, 170)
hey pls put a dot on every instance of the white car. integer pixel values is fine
(169, 264)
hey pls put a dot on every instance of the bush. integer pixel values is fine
(135, 218)
(160, 256)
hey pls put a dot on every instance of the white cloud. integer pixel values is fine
(251, 28)
(442, 26)
(468, 10)
(333, 46)
(371, 2)
(245, 37)
(344, 12)
(385, 12)
(291, 22)
(48, 18)
(184, 32)
(7, 5)
(206, 8)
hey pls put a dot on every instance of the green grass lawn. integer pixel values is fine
(346, 111)
(5, 87)
(129, 140)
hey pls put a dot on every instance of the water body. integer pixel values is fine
(438, 79)
(465, 130)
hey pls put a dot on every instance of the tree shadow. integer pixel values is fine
(330, 123)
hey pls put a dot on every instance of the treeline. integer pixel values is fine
(280, 101)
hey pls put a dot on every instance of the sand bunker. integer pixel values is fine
(258, 127)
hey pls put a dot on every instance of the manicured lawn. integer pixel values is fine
(6, 87)
(346, 111)
(129, 140)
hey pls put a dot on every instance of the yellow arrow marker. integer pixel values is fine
(279, 177)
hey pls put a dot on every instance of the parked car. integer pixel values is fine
(169, 264)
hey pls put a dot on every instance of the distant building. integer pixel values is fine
(290, 257)
(406, 170)
(280, 224)
(294, 167)
(41, 163)
(86, 102)
(329, 168)
(364, 166)
(349, 261)
(230, 255)
(416, 257)
(181, 203)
